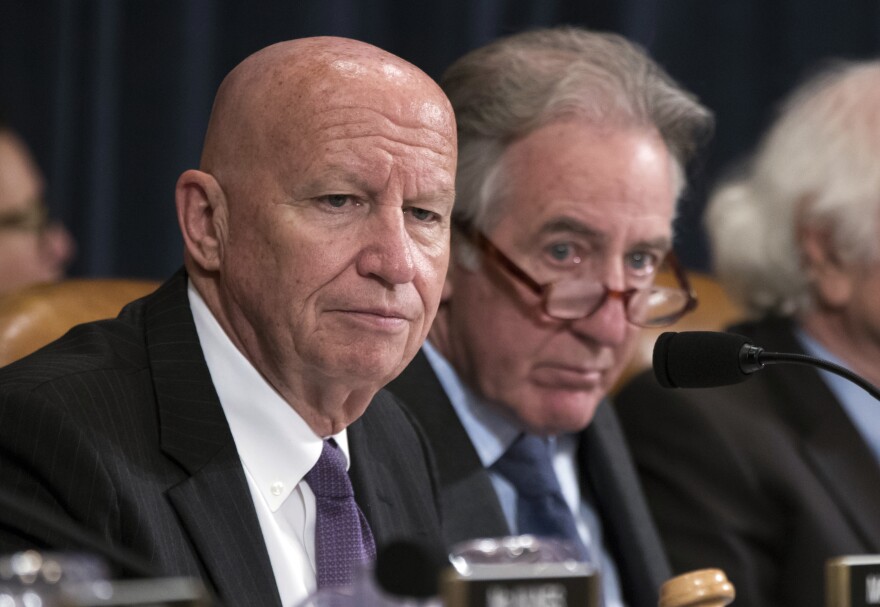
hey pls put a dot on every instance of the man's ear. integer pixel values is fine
(446, 293)
(459, 261)
(202, 215)
(831, 278)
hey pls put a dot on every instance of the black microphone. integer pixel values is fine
(406, 569)
(707, 359)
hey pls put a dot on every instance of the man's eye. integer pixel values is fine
(422, 214)
(642, 262)
(336, 201)
(564, 252)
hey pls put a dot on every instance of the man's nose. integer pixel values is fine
(388, 252)
(57, 247)
(608, 325)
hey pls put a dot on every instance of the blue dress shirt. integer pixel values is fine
(491, 434)
(862, 408)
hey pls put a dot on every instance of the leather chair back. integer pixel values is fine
(34, 316)
(715, 310)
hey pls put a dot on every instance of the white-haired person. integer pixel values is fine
(769, 478)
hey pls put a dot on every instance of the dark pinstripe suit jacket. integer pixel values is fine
(470, 507)
(116, 427)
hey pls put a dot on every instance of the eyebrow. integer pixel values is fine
(570, 225)
(344, 177)
(338, 174)
(660, 242)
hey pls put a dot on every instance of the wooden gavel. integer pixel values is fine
(701, 588)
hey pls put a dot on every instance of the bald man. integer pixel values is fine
(197, 428)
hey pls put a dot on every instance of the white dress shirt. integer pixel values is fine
(276, 447)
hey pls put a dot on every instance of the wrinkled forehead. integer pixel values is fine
(354, 88)
(279, 99)
(284, 100)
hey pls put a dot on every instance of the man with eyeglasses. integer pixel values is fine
(32, 249)
(572, 147)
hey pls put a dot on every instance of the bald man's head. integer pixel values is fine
(317, 229)
(269, 98)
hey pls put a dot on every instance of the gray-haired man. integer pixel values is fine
(572, 147)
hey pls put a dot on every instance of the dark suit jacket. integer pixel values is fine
(765, 479)
(470, 507)
(117, 428)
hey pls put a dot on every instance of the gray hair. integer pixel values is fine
(514, 85)
(818, 166)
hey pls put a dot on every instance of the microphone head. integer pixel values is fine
(405, 569)
(699, 359)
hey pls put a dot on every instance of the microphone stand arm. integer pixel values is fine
(753, 358)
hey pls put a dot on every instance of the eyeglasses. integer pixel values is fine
(659, 305)
(32, 219)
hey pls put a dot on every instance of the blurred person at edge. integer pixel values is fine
(32, 248)
(769, 478)
(573, 147)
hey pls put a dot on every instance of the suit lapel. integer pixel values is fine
(378, 498)
(469, 505)
(393, 482)
(830, 442)
(845, 465)
(367, 473)
(610, 480)
(214, 503)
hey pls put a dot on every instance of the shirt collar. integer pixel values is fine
(276, 446)
(490, 432)
(852, 396)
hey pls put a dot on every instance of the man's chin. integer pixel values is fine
(365, 368)
(564, 412)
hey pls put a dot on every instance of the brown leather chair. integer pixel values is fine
(34, 316)
(37, 315)
(715, 310)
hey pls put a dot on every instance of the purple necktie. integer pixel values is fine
(343, 539)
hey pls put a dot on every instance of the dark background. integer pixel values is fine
(114, 95)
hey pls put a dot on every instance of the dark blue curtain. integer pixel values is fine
(114, 95)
